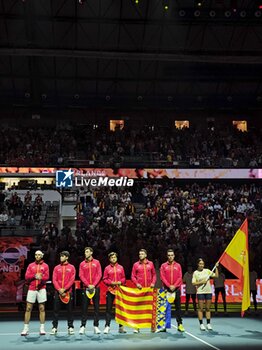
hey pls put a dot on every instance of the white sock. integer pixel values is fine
(26, 326)
(42, 325)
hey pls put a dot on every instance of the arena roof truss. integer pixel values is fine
(111, 53)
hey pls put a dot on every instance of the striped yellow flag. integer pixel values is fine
(235, 259)
(135, 307)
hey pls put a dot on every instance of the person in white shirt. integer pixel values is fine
(190, 289)
(201, 279)
(219, 284)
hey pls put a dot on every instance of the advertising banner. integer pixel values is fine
(140, 173)
(13, 252)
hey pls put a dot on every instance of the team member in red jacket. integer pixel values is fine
(90, 274)
(37, 273)
(171, 276)
(63, 280)
(114, 275)
(143, 273)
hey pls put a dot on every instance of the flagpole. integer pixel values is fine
(212, 271)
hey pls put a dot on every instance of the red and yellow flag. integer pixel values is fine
(235, 259)
(134, 308)
(144, 308)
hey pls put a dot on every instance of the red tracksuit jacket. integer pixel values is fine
(143, 273)
(171, 274)
(34, 268)
(114, 273)
(90, 272)
(64, 276)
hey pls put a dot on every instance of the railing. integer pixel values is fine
(15, 231)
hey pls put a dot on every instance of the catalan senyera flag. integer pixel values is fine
(144, 308)
(235, 259)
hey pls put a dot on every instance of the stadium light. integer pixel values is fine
(243, 14)
(228, 13)
(259, 4)
(182, 13)
(165, 4)
(234, 5)
(212, 13)
(197, 13)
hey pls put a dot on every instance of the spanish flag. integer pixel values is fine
(144, 308)
(235, 259)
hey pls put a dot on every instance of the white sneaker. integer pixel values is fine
(106, 330)
(202, 327)
(121, 329)
(25, 331)
(209, 327)
(82, 330)
(97, 330)
(53, 331)
(71, 331)
(42, 330)
(136, 330)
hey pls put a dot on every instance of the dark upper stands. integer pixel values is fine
(76, 146)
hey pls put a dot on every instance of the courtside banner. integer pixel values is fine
(140, 173)
(13, 252)
(233, 291)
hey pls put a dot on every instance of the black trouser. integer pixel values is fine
(177, 303)
(223, 293)
(85, 305)
(57, 307)
(254, 296)
(109, 306)
(193, 296)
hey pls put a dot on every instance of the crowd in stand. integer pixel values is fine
(12, 206)
(225, 146)
(197, 220)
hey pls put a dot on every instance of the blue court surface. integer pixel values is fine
(228, 333)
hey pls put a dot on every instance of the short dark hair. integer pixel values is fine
(143, 250)
(200, 259)
(112, 254)
(170, 251)
(65, 253)
(91, 249)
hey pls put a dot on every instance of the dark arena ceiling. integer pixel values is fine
(109, 53)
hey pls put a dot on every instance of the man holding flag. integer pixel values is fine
(143, 273)
(144, 306)
(114, 276)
